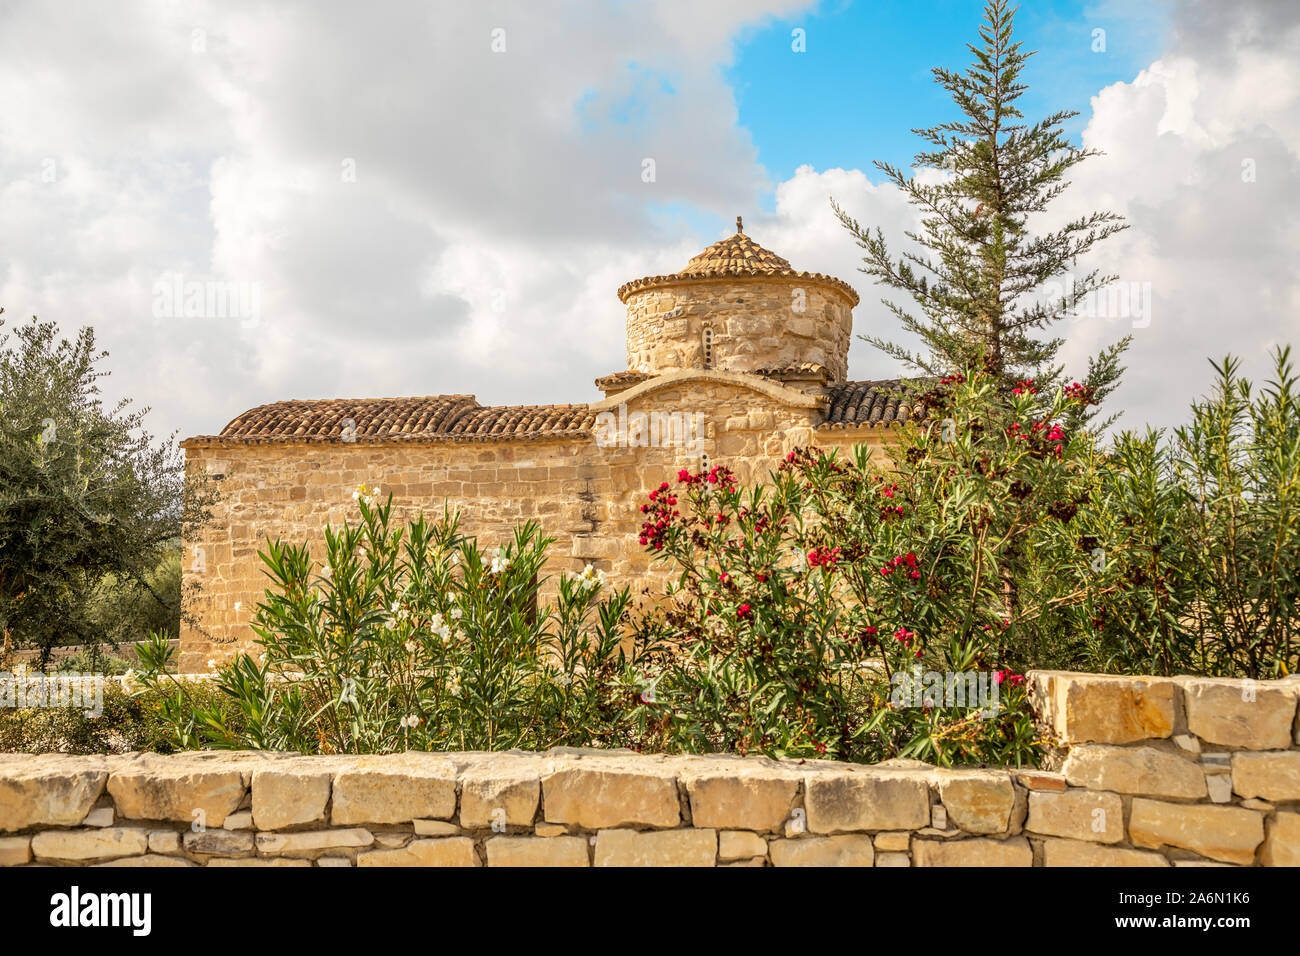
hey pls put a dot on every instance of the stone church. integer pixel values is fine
(734, 360)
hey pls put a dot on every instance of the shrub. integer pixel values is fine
(798, 615)
(135, 720)
(414, 638)
(1197, 536)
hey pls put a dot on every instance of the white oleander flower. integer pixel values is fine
(410, 721)
(592, 579)
(212, 665)
(500, 562)
(457, 614)
(410, 647)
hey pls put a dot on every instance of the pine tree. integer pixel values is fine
(978, 280)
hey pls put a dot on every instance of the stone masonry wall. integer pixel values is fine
(1153, 772)
(585, 496)
(756, 323)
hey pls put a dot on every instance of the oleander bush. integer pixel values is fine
(415, 638)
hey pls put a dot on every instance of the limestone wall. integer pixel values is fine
(755, 323)
(586, 496)
(1154, 772)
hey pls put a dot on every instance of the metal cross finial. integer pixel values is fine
(740, 226)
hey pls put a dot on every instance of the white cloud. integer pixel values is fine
(513, 180)
(211, 140)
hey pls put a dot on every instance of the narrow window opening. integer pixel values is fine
(708, 347)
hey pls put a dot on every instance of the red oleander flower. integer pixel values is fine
(743, 611)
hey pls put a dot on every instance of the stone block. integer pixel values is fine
(312, 840)
(1146, 771)
(1282, 844)
(447, 851)
(1230, 834)
(499, 792)
(1250, 715)
(1082, 853)
(854, 801)
(1272, 775)
(1096, 708)
(977, 802)
(979, 851)
(740, 845)
(537, 851)
(53, 791)
(1077, 814)
(849, 849)
(290, 796)
(603, 794)
(741, 798)
(219, 842)
(163, 791)
(685, 847)
(86, 845)
(399, 789)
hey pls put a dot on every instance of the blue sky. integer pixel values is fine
(865, 82)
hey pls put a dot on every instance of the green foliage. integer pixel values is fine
(982, 281)
(89, 506)
(998, 539)
(140, 720)
(800, 611)
(1200, 533)
(413, 638)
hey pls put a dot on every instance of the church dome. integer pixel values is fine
(740, 307)
(736, 255)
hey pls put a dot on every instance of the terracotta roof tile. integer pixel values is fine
(737, 256)
(625, 379)
(524, 421)
(434, 418)
(866, 404)
(795, 370)
(323, 419)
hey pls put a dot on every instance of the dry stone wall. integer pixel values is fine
(1151, 772)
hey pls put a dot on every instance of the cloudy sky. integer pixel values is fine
(425, 198)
